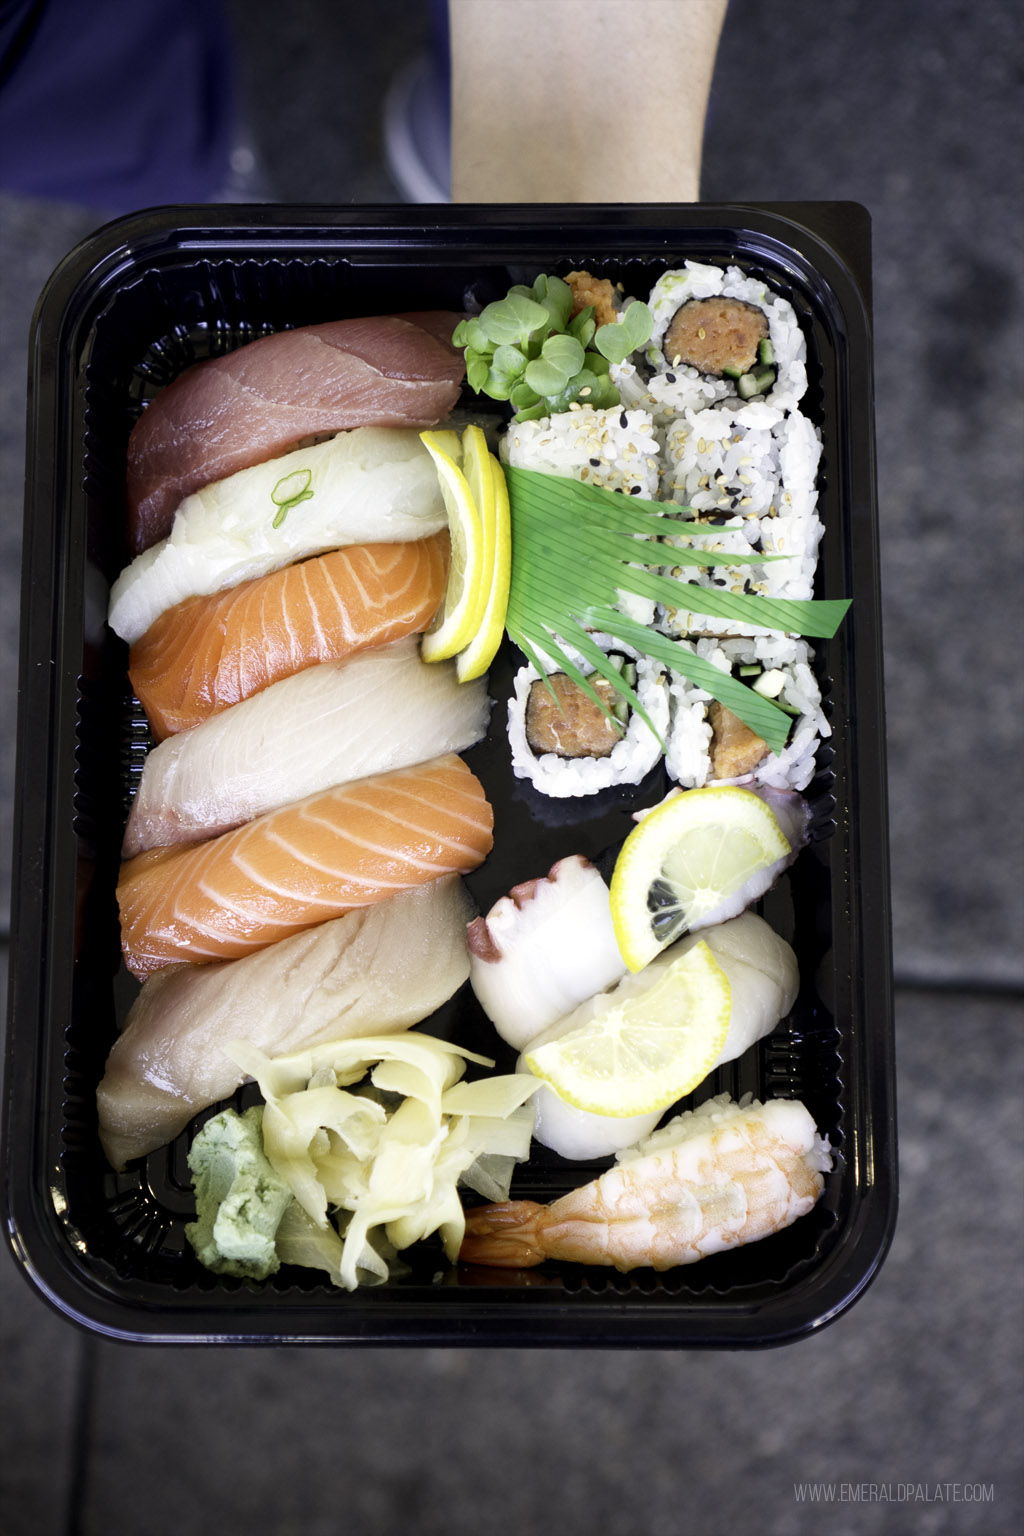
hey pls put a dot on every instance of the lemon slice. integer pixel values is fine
(646, 1043)
(683, 862)
(460, 614)
(482, 466)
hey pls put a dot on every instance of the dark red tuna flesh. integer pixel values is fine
(230, 412)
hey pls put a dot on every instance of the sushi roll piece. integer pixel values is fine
(708, 744)
(566, 745)
(718, 335)
(755, 485)
(614, 448)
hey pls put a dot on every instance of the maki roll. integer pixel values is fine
(757, 485)
(708, 744)
(718, 335)
(567, 743)
(616, 449)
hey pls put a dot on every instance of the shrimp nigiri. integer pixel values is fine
(714, 1178)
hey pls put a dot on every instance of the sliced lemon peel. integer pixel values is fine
(645, 1047)
(703, 845)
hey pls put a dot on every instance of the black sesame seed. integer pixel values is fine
(623, 420)
(596, 463)
(634, 490)
(670, 378)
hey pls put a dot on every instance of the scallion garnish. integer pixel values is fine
(289, 491)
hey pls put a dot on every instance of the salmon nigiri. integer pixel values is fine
(326, 855)
(210, 652)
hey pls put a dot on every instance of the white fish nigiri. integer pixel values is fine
(546, 946)
(331, 724)
(373, 485)
(377, 970)
(763, 978)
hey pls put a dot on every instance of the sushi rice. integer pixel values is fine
(614, 448)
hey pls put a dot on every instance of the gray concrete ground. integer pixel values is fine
(911, 110)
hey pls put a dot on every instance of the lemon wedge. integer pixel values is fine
(643, 1045)
(684, 861)
(483, 469)
(460, 615)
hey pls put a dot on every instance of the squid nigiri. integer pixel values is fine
(711, 1180)
(763, 978)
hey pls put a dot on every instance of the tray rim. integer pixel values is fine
(34, 1230)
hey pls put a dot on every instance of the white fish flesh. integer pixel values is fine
(377, 970)
(329, 725)
(764, 980)
(373, 485)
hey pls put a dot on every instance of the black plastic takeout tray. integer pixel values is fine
(121, 317)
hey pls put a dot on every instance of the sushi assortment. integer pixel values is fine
(300, 517)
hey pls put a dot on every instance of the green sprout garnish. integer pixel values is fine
(527, 350)
(289, 491)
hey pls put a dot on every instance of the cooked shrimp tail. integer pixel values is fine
(712, 1179)
(506, 1235)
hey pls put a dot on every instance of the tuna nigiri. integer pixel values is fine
(328, 725)
(230, 412)
(301, 865)
(210, 652)
(372, 485)
(374, 971)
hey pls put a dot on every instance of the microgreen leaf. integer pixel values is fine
(633, 329)
(551, 373)
(583, 325)
(513, 319)
(477, 370)
(507, 366)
